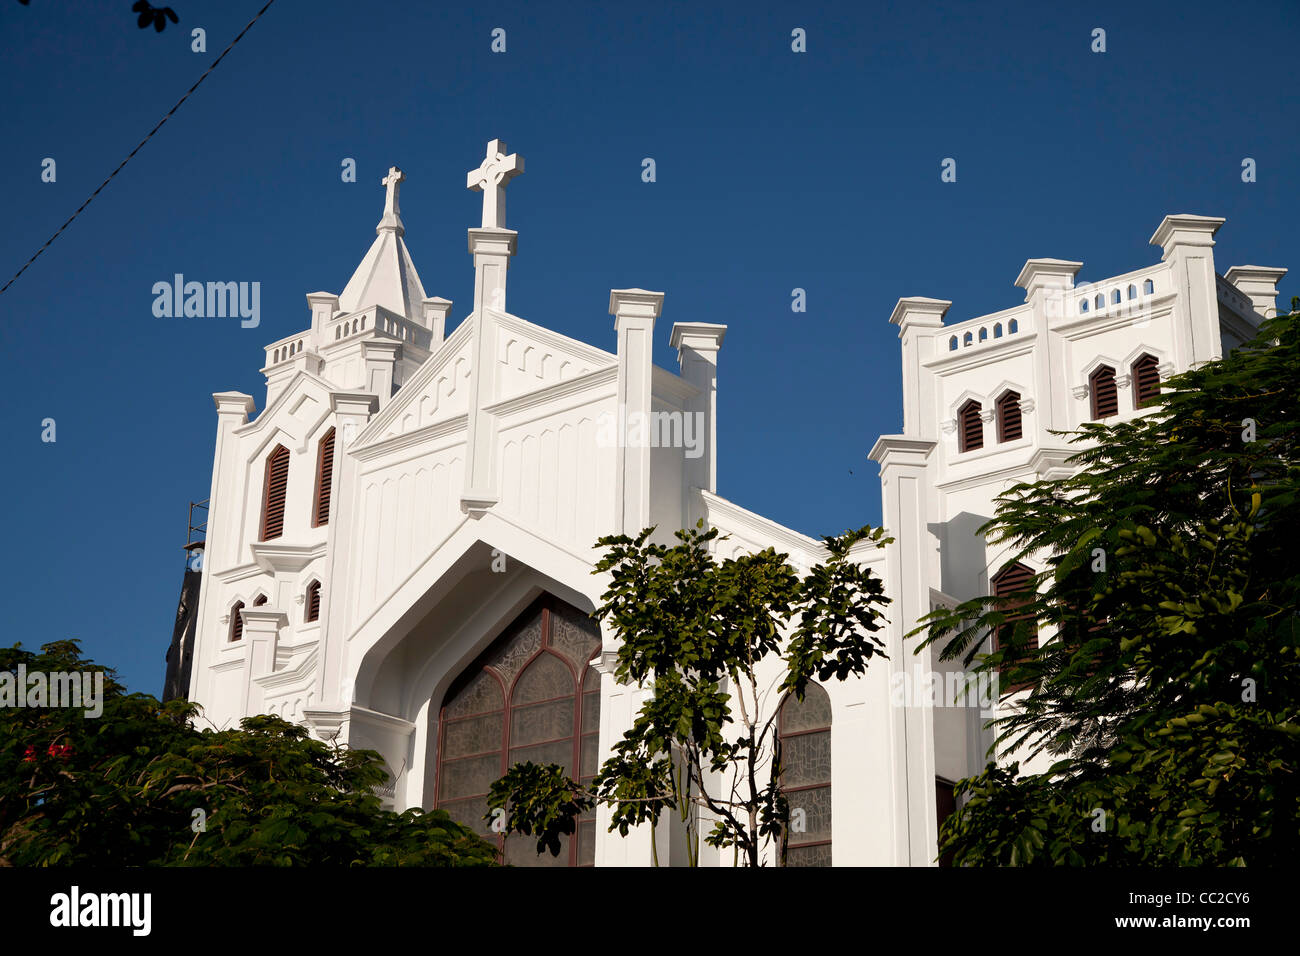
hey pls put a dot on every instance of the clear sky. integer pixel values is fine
(775, 170)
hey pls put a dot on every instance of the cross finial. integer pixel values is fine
(392, 217)
(490, 178)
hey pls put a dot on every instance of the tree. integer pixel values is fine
(1171, 691)
(147, 14)
(708, 638)
(139, 786)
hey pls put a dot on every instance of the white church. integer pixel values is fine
(400, 545)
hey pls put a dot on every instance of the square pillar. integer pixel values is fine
(697, 345)
(634, 311)
(905, 494)
(1188, 244)
(919, 321)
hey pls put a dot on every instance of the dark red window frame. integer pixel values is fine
(1146, 380)
(313, 602)
(1105, 395)
(1008, 415)
(784, 735)
(970, 430)
(320, 509)
(1012, 583)
(274, 491)
(548, 606)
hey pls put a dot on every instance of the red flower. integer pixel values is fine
(30, 755)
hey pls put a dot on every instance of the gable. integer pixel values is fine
(530, 357)
(438, 392)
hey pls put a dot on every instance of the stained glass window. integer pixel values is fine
(532, 696)
(804, 739)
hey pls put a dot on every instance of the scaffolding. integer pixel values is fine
(196, 535)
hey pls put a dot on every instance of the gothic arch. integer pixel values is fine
(533, 695)
(804, 753)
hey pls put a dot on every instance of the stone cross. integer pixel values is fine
(393, 180)
(490, 178)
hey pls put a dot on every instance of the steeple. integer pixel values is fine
(387, 276)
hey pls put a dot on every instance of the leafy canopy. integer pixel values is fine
(720, 644)
(122, 789)
(1170, 580)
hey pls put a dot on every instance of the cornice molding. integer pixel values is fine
(727, 515)
(417, 436)
(556, 390)
(273, 557)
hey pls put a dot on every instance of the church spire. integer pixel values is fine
(392, 220)
(387, 276)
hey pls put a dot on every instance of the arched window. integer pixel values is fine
(1013, 583)
(1083, 306)
(984, 334)
(320, 512)
(274, 490)
(1148, 287)
(1008, 415)
(312, 602)
(259, 601)
(1105, 400)
(1146, 381)
(1013, 327)
(997, 330)
(804, 753)
(970, 430)
(967, 339)
(1100, 301)
(952, 344)
(1132, 292)
(1115, 297)
(236, 622)
(532, 696)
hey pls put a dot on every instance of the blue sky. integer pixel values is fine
(775, 170)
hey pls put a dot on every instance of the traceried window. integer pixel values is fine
(804, 741)
(274, 490)
(532, 696)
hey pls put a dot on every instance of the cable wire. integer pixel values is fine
(138, 147)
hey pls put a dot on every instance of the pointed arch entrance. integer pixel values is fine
(531, 696)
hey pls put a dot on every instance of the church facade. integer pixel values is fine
(399, 546)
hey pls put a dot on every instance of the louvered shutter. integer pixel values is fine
(324, 479)
(236, 622)
(1105, 400)
(277, 485)
(1009, 428)
(970, 428)
(1146, 380)
(313, 601)
(1013, 583)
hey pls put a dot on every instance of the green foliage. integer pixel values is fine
(719, 643)
(121, 789)
(1172, 694)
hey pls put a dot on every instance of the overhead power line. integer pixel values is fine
(131, 155)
